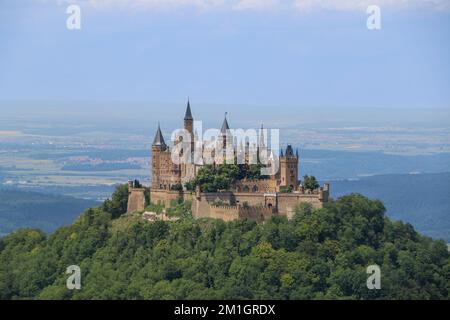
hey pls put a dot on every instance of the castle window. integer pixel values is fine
(246, 189)
(255, 189)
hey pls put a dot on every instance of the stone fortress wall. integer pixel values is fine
(258, 206)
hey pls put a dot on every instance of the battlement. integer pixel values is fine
(256, 213)
(235, 212)
(224, 207)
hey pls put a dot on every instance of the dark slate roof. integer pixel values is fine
(289, 151)
(188, 115)
(261, 136)
(225, 125)
(159, 139)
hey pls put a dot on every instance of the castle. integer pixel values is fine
(275, 194)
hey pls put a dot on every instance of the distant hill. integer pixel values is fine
(87, 167)
(23, 209)
(329, 164)
(420, 199)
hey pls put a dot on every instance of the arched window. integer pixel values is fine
(246, 189)
(255, 188)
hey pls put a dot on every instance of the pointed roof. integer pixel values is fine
(188, 115)
(289, 151)
(225, 125)
(261, 136)
(159, 139)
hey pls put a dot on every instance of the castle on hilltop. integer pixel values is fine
(278, 193)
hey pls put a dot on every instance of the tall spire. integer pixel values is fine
(225, 125)
(188, 115)
(261, 137)
(159, 139)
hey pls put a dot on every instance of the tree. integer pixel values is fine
(177, 187)
(214, 178)
(284, 189)
(118, 204)
(310, 183)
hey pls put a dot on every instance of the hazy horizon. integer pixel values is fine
(239, 52)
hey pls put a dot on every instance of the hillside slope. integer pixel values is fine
(320, 254)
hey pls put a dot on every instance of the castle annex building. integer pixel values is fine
(276, 194)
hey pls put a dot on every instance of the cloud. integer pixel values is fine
(256, 4)
(301, 5)
(145, 4)
(352, 5)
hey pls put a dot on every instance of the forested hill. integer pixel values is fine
(319, 254)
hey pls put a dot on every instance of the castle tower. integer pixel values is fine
(261, 143)
(262, 149)
(188, 169)
(188, 119)
(289, 169)
(158, 148)
(225, 127)
(189, 125)
(226, 136)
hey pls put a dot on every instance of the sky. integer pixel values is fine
(290, 53)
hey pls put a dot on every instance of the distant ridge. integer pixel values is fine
(420, 199)
(25, 209)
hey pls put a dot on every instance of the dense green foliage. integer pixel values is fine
(284, 189)
(180, 209)
(215, 178)
(118, 203)
(310, 183)
(318, 254)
